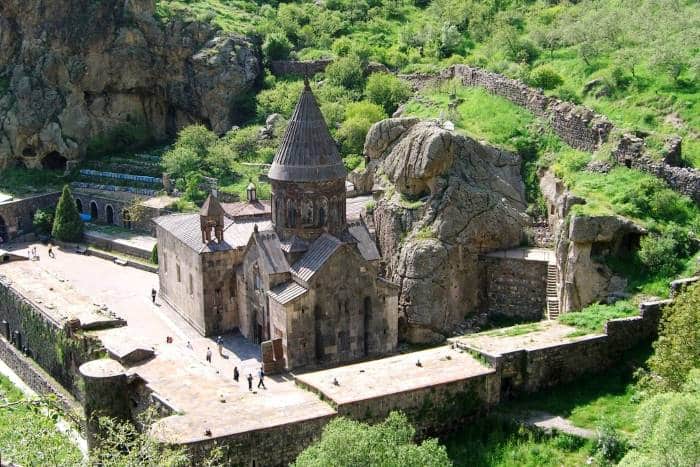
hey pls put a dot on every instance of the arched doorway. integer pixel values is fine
(54, 161)
(79, 205)
(109, 211)
(93, 210)
(126, 218)
(3, 231)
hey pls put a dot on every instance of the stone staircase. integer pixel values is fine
(552, 292)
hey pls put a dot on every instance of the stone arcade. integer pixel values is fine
(295, 270)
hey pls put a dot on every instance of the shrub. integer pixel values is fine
(390, 443)
(677, 350)
(386, 90)
(545, 77)
(353, 161)
(154, 254)
(43, 221)
(352, 134)
(610, 446)
(276, 47)
(347, 72)
(67, 225)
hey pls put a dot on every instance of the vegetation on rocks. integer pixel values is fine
(67, 225)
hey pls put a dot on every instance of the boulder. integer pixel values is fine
(447, 199)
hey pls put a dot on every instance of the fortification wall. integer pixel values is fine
(17, 216)
(52, 346)
(514, 288)
(277, 446)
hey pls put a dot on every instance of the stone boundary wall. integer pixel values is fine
(534, 370)
(35, 377)
(109, 245)
(277, 446)
(131, 264)
(293, 67)
(18, 215)
(48, 342)
(514, 288)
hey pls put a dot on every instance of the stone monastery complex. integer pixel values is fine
(296, 270)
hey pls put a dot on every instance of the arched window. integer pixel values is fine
(322, 212)
(291, 214)
(79, 205)
(278, 215)
(109, 211)
(307, 213)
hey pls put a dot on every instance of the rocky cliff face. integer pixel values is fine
(74, 70)
(447, 199)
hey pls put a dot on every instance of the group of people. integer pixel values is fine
(236, 373)
(32, 255)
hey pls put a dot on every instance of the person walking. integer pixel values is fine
(250, 382)
(261, 376)
(220, 344)
(235, 373)
(208, 355)
(51, 253)
(153, 295)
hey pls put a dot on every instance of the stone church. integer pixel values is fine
(295, 269)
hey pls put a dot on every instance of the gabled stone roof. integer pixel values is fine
(211, 207)
(319, 252)
(270, 252)
(368, 249)
(308, 152)
(285, 293)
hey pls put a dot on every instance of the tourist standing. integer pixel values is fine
(261, 376)
(208, 355)
(235, 373)
(153, 295)
(250, 382)
(220, 343)
(51, 254)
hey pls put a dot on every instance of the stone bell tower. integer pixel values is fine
(211, 217)
(308, 176)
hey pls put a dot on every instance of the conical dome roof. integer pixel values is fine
(308, 152)
(211, 207)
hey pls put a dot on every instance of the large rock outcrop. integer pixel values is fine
(582, 245)
(447, 199)
(75, 70)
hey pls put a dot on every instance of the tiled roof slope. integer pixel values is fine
(270, 252)
(319, 252)
(285, 293)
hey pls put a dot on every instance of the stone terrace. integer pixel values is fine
(394, 375)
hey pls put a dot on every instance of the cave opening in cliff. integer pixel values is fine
(54, 161)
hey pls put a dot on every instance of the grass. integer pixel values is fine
(512, 331)
(22, 182)
(27, 436)
(592, 319)
(498, 443)
(230, 15)
(591, 401)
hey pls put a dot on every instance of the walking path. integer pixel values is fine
(553, 423)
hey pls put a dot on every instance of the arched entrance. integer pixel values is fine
(3, 231)
(54, 161)
(79, 205)
(109, 211)
(126, 219)
(93, 210)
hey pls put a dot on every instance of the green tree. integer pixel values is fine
(276, 47)
(677, 351)
(67, 225)
(390, 443)
(154, 254)
(43, 221)
(387, 90)
(347, 72)
(668, 428)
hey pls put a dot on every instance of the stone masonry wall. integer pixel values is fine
(47, 342)
(514, 288)
(18, 215)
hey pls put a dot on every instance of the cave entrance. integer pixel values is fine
(3, 231)
(54, 161)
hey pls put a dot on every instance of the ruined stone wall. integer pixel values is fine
(46, 341)
(291, 67)
(17, 216)
(514, 288)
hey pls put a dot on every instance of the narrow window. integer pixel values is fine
(177, 267)
(190, 284)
